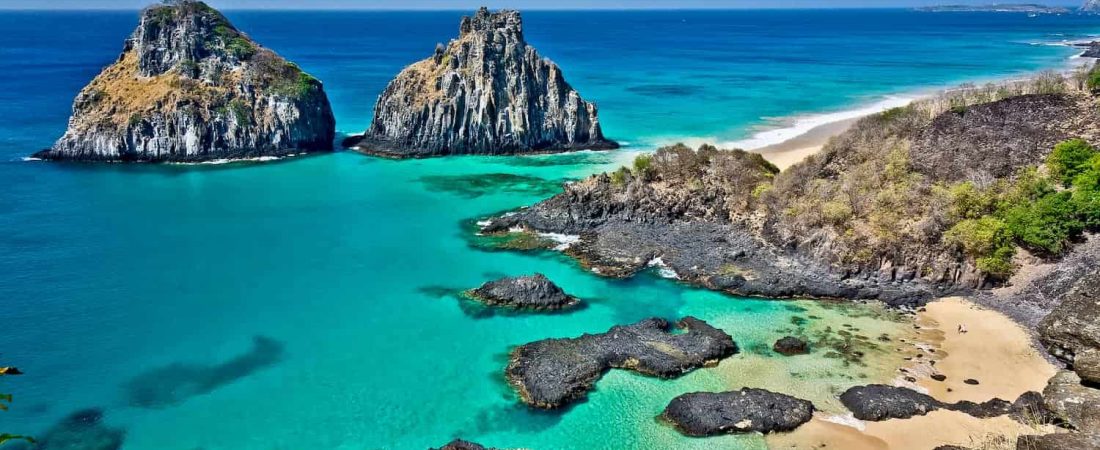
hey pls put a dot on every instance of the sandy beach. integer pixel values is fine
(993, 350)
(791, 151)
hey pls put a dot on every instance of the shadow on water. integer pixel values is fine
(81, 430)
(174, 384)
(566, 159)
(477, 185)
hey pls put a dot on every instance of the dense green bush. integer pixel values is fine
(1069, 159)
(643, 167)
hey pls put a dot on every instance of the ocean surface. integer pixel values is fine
(309, 303)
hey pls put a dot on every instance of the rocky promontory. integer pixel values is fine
(535, 292)
(885, 211)
(486, 92)
(188, 87)
(744, 411)
(554, 372)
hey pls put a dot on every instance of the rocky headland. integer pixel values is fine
(191, 87)
(745, 411)
(532, 293)
(552, 373)
(486, 92)
(915, 203)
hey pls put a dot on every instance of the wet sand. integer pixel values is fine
(993, 350)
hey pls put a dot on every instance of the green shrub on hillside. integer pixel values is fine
(1069, 159)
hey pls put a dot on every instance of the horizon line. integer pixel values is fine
(702, 8)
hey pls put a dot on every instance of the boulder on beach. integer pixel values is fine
(744, 411)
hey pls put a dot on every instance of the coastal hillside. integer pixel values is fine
(485, 92)
(189, 86)
(927, 200)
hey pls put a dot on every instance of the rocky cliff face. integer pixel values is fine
(189, 86)
(486, 92)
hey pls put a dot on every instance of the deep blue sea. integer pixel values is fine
(306, 303)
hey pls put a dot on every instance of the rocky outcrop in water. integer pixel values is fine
(744, 411)
(189, 86)
(486, 92)
(459, 444)
(880, 402)
(790, 346)
(554, 372)
(1090, 6)
(534, 292)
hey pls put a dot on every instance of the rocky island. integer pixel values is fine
(191, 87)
(745, 411)
(535, 293)
(1030, 8)
(486, 92)
(552, 373)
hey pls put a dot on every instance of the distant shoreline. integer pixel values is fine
(812, 132)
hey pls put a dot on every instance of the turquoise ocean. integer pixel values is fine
(309, 303)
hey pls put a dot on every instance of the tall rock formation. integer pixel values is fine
(1091, 7)
(190, 87)
(486, 92)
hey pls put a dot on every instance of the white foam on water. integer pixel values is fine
(31, 158)
(564, 241)
(848, 420)
(663, 268)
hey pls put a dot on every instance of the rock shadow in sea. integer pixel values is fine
(477, 185)
(81, 430)
(175, 383)
(566, 159)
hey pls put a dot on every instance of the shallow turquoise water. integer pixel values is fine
(109, 272)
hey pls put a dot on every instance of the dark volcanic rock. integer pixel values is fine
(747, 410)
(1076, 404)
(190, 87)
(1060, 441)
(1021, 131)
(880, 402)
(485, 92)
(791, 345)
(1073, 328)
(459, 444)
(534, 292)
(553, 372)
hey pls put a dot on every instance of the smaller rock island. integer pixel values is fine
(551, 373)
(533, 293)
(744, 411)
(190, 87)
(486, 92)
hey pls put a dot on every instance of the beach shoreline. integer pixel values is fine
(993, 350)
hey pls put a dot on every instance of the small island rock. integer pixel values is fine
(486, 92)
(743, 411)
(554, 372)
(535, 292)
(189, 87)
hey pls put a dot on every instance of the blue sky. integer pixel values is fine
(520, 4)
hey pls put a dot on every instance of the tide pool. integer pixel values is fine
(141, 290)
